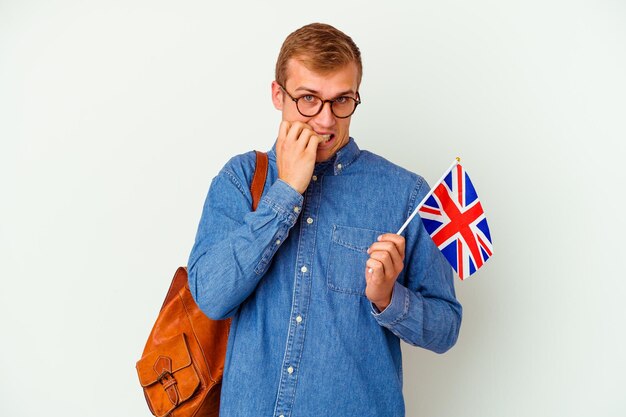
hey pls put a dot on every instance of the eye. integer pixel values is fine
(341, 100)
(308, 98)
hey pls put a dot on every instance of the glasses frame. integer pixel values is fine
(356, 100)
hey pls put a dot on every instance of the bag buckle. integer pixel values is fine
(165, 376)
(167, 379)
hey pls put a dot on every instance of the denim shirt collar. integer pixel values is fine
(335, 165)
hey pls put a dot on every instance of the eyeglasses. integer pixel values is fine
(309, 105)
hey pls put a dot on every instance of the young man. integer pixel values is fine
(319, 291)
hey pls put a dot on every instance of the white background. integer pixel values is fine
(115, 115)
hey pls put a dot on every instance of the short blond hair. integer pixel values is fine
(321, 48)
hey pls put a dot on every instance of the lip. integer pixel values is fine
(327, 142)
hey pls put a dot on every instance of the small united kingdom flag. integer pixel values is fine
(455, 220)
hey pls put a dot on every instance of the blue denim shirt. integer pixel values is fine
(305, 341)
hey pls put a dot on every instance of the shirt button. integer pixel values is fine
(314, 178)
(309, 220)
(278, 241)
(303, 269)
(299, 319)
(281, 415)
(290, 370)
(296, 209)
(338, 166)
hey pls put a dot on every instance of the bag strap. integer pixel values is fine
(256, 188)
(258, 180)
(178, 282)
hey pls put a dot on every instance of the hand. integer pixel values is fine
(296, 149)
(385, 263)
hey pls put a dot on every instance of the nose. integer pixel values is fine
(325, 118)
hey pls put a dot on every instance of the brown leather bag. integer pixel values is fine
(182, 364)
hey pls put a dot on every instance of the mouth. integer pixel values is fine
(327, 138)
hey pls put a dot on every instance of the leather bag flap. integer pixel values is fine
(172, 354)
(168, 376)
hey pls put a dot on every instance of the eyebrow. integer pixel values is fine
(312, 91)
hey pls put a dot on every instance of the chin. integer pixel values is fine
(321, 158)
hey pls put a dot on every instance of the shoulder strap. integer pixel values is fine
(258, 180)
(256, 188)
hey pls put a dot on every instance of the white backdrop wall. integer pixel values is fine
(115, 115)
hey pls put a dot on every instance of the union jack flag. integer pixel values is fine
(455, 220)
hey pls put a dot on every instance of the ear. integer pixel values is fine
(277, 96)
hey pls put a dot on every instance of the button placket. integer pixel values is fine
(301, 297)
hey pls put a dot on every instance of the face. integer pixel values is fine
(300, 82)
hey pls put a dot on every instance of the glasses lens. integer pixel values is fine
(309, 105)
(344, 106)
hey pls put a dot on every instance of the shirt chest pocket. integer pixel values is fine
(346, 261)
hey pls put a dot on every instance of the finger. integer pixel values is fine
(374, 269)
(391, 260)
(282, 135)
(283, 129)
(295, 130)
(308, 141)
(314, 142)
(320, 139)
(390, 248)
(391, 271)
(397, 240)
(298, 136)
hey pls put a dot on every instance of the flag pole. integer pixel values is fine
(406, 223)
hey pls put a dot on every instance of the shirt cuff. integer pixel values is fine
(284, 199)
(397, 309)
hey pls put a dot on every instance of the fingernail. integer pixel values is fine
(380, 237)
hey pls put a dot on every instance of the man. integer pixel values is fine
(320, 293)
